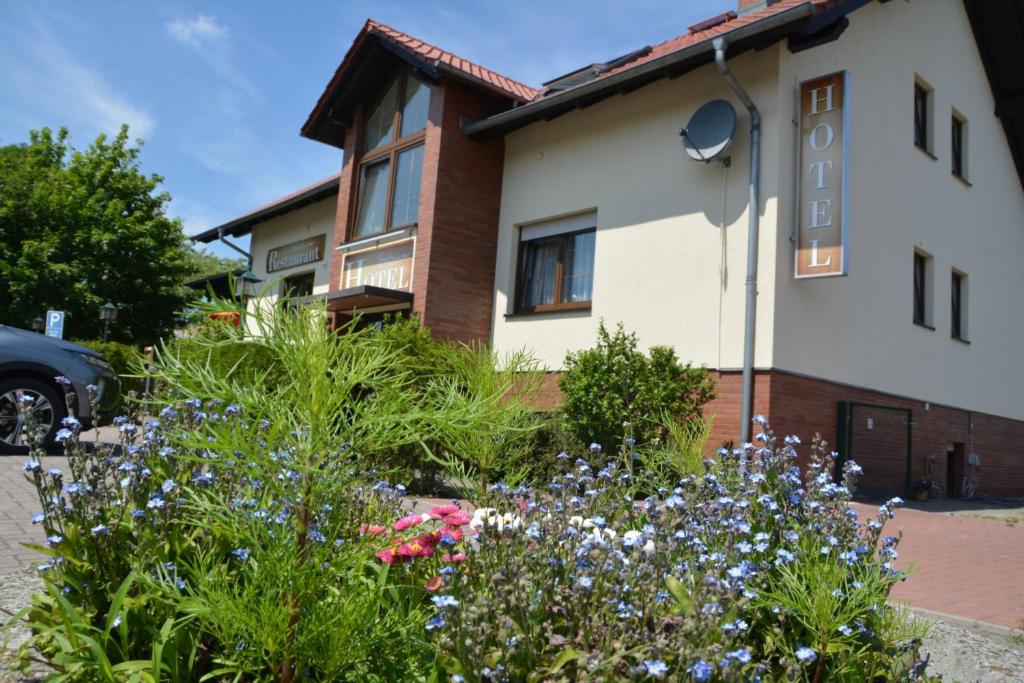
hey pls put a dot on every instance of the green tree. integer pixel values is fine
(613, 383)
(80, 228)
(201, 263)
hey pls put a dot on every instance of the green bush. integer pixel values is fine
(124, 358)
(614, 383)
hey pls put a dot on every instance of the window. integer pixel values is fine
(556, 265)
(959, 157)
(958, 302)
(922, 289)
(297, 286)
(922, 116)
(392, 165)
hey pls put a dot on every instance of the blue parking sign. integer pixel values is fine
(55, 324)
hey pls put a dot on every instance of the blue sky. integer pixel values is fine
(219, 90)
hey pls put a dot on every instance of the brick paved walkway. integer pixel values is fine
(971, 568)
(18, 503)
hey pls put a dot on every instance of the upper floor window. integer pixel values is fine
(958, 131)
(922, 116)
(922, 289)
(958, 303)
(556, 265)
(392, 165)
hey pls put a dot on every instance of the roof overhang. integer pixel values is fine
(243, 224)
(363, 297)
(998, 27)
(219, 283)
(804, 22)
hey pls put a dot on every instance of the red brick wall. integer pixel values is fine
(803, 406)
(457, 231)
(461, 236)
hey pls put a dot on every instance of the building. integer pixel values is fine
(891, 216)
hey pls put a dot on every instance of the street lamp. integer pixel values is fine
(38, 324)
(108, 314)
(245, 285)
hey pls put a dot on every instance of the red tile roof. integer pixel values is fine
(432, 53)
(700, 35)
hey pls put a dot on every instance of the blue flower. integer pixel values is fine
(155, 503)
(435, 623)
(32, 465)
(241, 553)
(444, 601)
(100, 530)
(116, 622)
(656, 668)
(701, 671)
(806, 654)
(741, 655)
(585, 582)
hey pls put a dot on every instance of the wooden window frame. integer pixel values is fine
(388, 151)
(563, 238)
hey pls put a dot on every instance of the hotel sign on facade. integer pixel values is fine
(822, 179)
(387, 267)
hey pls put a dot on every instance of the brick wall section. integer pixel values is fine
(461, 237)
(803, 406)
(800, 405)
(347, 185)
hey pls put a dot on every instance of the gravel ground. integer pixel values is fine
(959, 652)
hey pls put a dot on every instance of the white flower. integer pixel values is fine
(575, 520)
(649, 547)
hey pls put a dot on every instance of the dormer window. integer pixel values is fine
(392, 165)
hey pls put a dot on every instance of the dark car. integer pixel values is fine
(29, 365)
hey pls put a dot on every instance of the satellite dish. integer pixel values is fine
(710, 131)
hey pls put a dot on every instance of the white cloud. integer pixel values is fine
(197, 32)
(49, 78)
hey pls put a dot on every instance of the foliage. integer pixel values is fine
(243, 534)
(81, 228)
(201, 263)
(550, 440)
(679, 453)
(613, 383)
(124, 358)
(743, 572)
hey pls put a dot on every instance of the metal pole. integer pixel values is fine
(750, 317)
(106, 329)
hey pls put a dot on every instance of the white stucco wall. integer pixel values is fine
(659, 241)
(858, 329)
(309, 221)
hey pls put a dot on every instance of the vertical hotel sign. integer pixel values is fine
(822, 178)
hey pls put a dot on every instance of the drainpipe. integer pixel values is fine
(243, 252)
(750, 315)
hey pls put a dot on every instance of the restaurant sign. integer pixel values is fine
(388, 267)
(299, 253)
(823, 160)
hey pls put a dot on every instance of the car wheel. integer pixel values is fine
(47, 412)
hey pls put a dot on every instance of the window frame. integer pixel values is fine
(557, 305)
(923, 290)
(958, 146)
(958, 305)
(389, 152)
(284, 289)
(923, 124)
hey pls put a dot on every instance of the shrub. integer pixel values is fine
(613, 383)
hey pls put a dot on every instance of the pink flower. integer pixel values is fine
(523, 505)
(373, 530)
(459, 518)
(444, 510)
(457, 557)
(435, 584)
(414, 548)
(386, 556)
(408, 521)
(454, 532)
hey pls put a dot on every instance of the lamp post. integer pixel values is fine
(245, 285)
(108, 314)
(39, 325)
